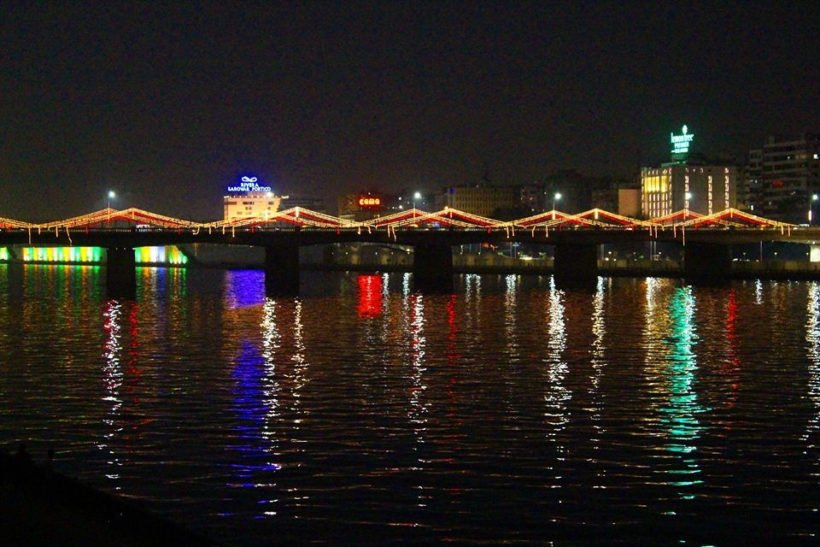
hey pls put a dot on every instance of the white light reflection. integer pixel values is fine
(510, 330)
(406, 285)
(472, 299)
(556, 394)
(418, 405)
(271, 340)
(758, 292)
(472, 287)
(112, 381)
(655, 327)
(597, 363)
(271, 394)
(813, 339)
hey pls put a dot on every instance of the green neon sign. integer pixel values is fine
(680, 143)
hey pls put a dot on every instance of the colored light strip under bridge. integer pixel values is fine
(92, 255)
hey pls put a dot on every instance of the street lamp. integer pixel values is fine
(688, 197)
(111, 195)
(814, 197)
(555, 197)
(416, 197)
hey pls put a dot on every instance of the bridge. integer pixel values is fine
(705, 239)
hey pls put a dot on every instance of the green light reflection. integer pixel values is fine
(680, 413)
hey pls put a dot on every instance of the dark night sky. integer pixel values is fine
(167, 104)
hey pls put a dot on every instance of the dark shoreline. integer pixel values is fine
(41, 507)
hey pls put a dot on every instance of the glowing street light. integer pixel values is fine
(688, 197)
(814, 197)
(416, 197)
(111, 195)
(555, 197)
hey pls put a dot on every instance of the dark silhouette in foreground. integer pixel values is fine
(41, 507)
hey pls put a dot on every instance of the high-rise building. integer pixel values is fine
(689, 181)
(749, 187)
(784, 177)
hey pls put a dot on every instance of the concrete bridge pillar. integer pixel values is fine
(433, 267)
(121, 273)
(708, 262)
(11, 279)
(282, 270)
(576, 265)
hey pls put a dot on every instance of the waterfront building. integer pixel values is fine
(249, 199)
(784, 176)
(687, 182)
(361, 205)
(750, 184)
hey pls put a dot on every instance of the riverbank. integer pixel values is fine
(41, 507)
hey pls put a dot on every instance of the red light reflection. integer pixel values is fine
(370, 296)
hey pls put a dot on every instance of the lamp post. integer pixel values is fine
(688, 197)
(814, 198)
(111, 195)
(555, 197)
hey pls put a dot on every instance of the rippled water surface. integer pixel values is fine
(640, 411)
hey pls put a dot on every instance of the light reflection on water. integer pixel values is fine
(511, 410)
(813, 339)
(680, 413)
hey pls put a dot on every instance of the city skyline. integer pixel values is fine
(167, 105)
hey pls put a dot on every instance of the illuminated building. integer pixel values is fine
(248, 199)
(361, 206)
(687, 182)
(783, 177)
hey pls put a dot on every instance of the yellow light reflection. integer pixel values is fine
(813, 350)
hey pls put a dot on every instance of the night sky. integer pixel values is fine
(167, 104)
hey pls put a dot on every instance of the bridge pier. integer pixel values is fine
(282, 270)
(11, 280)
(707, 262)
(576, 265)
(433, 268)
(120, 272)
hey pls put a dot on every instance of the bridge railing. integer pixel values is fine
(412, 219)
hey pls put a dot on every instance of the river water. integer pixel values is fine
(641, 411)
